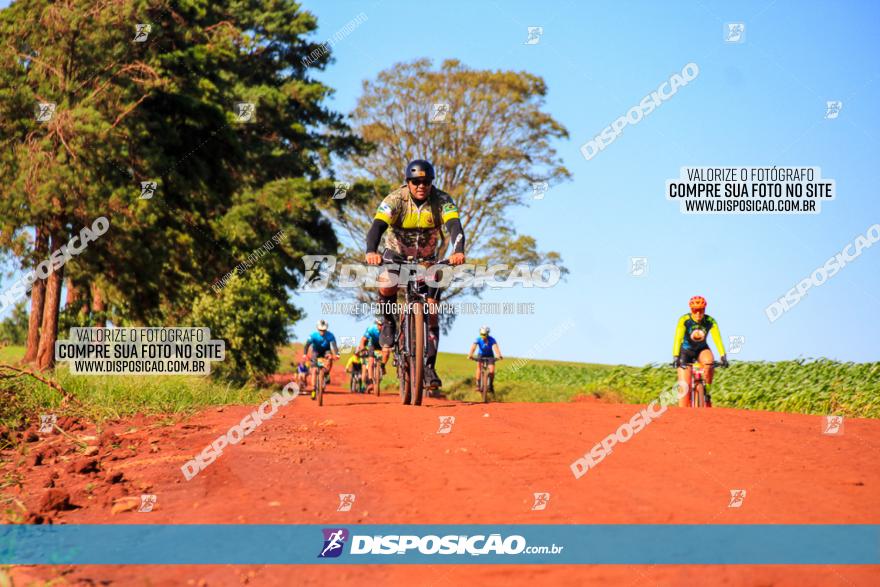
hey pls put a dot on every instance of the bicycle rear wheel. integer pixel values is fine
(403, 378)
(377, 376)
(417, 353)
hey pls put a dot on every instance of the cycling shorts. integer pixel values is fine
(313, 354)
(690, 355)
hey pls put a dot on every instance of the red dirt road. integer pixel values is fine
(679, 469)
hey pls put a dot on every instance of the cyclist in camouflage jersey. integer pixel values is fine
(413, 215)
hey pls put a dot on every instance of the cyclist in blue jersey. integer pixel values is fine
(488, 348)
(370, 342)
(322, 343)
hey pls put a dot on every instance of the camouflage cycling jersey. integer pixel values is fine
(413, 229)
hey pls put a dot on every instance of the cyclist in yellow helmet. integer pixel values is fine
(691, 344)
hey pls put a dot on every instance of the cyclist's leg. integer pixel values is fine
(684, 378)
(706, 359)
(387, 281)
(433, 342)
(384, 355)
(328, 364)
(313, 363)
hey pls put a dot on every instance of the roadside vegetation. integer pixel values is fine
(803, 386)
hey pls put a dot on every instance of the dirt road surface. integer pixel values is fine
(678, 470)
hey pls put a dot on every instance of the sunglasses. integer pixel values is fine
(420, 181)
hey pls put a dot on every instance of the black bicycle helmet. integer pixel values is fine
(419, 169)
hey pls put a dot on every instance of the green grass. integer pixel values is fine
(810, 387)
(114, 396)
(10, 354)
(804, 386)
(518, 380)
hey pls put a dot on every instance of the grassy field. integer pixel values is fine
(813, 387)
(115, 396)
(804, 386)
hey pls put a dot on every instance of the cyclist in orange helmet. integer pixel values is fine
(691, 334)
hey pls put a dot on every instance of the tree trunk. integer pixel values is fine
(72, 295)
(98, 306)
(49, 331)
(38, 294)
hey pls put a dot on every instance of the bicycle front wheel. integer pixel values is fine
(699, 395)
(417, 353)
(402, 360)
(319, 386)
(484, 383)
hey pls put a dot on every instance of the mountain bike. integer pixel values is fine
(483, 376)
(317, 373)
(374, 372)
(409, 346)
(357, 383)
(697, 386)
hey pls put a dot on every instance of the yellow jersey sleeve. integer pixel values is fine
(448, 209)
(716, 337)
(387, 209)
(679, 336)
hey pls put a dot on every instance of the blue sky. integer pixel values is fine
(759, 103)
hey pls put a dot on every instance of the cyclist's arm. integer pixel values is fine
(497, 350)
(450, 218)
(333, 348)
(307, 346)
(473, 348)
(716, 336)
(456, 234)
(374, 235)
(679, 336)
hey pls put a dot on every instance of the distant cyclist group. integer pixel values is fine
(411, 219)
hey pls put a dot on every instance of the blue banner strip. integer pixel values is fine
(154, 544)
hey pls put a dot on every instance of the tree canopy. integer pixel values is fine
(164, 109)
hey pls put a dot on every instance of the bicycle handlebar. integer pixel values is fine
(714, 364)
(404, 260)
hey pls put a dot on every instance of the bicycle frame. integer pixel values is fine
(405, 348)
(483, 363)
(697, 371)
(317, 370)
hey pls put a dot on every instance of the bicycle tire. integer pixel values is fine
(377, 376)
(700, 393)
(353, 385)
(484, 383)
(403, 362)
(417, 358)
(319, 386)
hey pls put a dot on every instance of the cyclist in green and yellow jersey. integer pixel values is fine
(691, 334)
